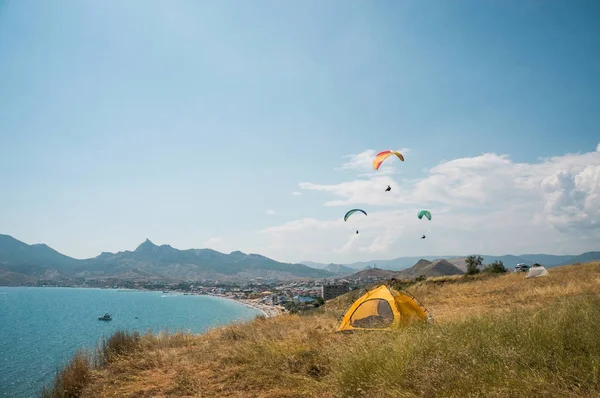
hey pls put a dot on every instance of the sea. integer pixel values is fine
(42, 327)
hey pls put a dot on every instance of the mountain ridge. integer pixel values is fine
(22, 263)
(509, 260)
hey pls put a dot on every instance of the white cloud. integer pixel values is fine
(297, 193)
(486, 203)
(270, 212)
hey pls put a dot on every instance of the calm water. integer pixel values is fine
(40, 328)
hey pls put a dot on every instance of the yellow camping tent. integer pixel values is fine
(382, 308)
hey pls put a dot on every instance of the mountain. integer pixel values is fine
(373, 273)
(548, 260)
(509, 260)
(315, 265)
(423, 267)
(20, 257)
(582, 258)
(427, 268)
(339, 269)
(23, 263)
(396, 264)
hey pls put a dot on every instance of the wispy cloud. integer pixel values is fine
(297, 193)
(270, 212)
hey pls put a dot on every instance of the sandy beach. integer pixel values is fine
(268, 310)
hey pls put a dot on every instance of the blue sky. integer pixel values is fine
(186, 122)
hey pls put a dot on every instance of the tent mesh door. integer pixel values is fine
(372, 314)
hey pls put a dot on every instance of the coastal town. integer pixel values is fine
(268, 296)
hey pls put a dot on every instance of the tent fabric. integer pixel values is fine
(382, 308)
(535, 272)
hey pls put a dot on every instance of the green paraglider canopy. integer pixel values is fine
(352, 212)
(425, 213)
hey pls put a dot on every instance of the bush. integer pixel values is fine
(497, 267)
(473, 264)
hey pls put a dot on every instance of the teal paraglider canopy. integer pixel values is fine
(425, 213)
(352, 212)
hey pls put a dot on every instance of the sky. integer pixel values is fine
(238, 125)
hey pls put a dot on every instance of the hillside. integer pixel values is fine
(372, 273)
(429, 269)
(509, 260)
(22, 263)
(395, 264)
(495, 336)
(20, 257)
(422, 267)
(339, 269)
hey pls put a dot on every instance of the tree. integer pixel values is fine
(497, 267)
(473, 264)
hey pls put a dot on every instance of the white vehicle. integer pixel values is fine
(521, 267)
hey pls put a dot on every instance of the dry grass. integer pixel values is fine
(496, 336)
(70, 381)
(451, 298)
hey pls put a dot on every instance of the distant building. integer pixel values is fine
(330, 291)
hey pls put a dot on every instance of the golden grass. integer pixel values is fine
(496, 336)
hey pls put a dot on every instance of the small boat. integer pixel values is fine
(105, 317)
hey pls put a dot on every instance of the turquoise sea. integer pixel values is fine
(41, 328)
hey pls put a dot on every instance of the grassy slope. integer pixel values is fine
(495, 337)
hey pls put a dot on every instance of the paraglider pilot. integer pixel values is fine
(357, 231)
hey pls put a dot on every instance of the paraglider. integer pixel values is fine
(381, 156)
(388, 189)
(425, 213)
(350, 212)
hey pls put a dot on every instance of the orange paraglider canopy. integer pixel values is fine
(381, 156)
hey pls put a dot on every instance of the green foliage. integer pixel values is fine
(473, 264)
(497, 267)
(291, 307)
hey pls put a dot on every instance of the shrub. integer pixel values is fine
(497, 267)
(473, 264)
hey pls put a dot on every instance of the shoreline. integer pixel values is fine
(269, 311)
